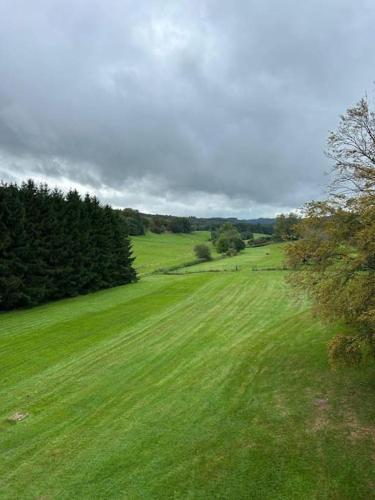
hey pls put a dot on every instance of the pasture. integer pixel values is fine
(154, 251)
(202, 385)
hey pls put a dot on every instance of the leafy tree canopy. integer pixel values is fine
(285, 227)
(202, 252)
(335, 255)
(229, 240)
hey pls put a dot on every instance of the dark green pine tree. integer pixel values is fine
(92, 252)
(122, 259)
(105, 237)
(54, 246)
(57, 245)
(35, 201)
(13, 249)
(88, 245)
(73, 248)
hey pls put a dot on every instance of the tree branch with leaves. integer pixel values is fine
(335, 252)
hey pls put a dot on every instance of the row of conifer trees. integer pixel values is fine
(54, 245)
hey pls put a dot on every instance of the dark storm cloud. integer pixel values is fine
(184, 104)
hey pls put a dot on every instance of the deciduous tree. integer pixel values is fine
(335, 255)
(202, 252)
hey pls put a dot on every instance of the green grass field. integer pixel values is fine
(257, 258)
(199, 386)
(154, 251)
(261, 235)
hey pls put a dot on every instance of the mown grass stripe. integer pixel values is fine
(197, 386)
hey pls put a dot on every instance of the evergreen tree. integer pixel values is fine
(13, 249)
(35, 202)
(54, 246)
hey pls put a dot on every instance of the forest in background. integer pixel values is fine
(139, 223)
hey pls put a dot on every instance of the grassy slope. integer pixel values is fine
(155, 251)
(266, 257)
(200, 386)
(261, 235)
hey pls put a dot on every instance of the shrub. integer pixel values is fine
(231, 252)
(260, 242)
(203, 252)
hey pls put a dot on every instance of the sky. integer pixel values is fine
(200, 107)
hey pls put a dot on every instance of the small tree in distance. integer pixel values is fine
(229, 240)
(285, 227)
(202, 252)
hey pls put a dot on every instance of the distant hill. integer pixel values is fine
(138, 223)
(261, 220)
(221, 220)
(260, 225)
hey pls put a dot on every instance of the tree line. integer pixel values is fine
(54, 245)
(139, 223)
(244, 226)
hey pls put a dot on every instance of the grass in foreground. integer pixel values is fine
(211, 385)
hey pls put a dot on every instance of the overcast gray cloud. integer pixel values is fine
(203, 107)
